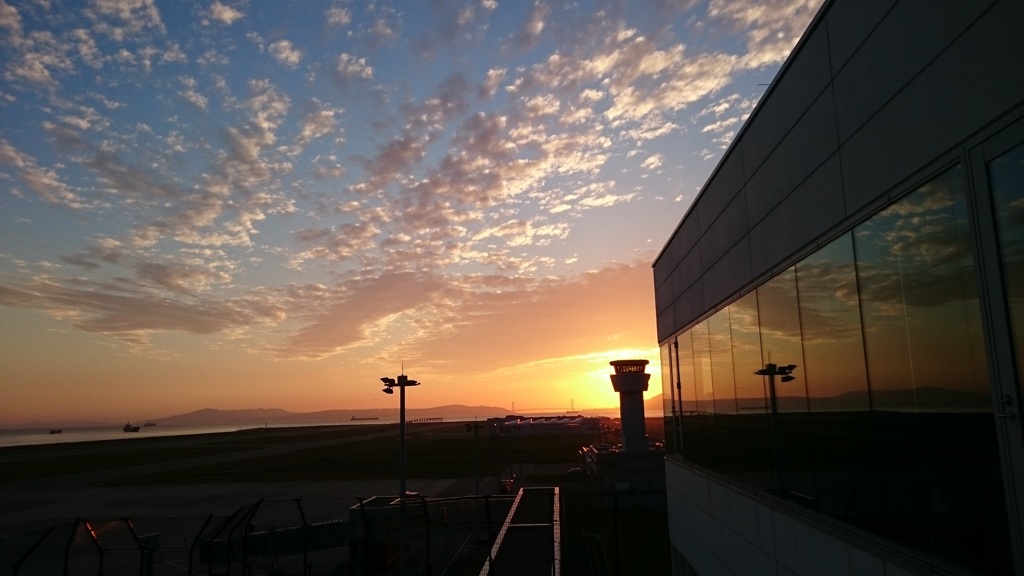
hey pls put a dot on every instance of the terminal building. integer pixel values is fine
(841, 311)
(543, 425)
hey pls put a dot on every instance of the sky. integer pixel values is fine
(241, 204)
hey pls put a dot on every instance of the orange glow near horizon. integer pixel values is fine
(56, 374)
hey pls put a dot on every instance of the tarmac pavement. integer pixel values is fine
(32, 505)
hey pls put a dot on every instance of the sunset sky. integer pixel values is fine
(248, 204)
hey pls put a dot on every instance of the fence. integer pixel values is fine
(273, 538)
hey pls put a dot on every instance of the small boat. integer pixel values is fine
(129, 428)
(56, 431)
(365, 418)
(150, 424)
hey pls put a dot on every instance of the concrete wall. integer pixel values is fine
(878, 94)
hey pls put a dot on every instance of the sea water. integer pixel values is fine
(37, 436)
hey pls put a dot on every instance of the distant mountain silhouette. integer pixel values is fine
(654, 405)
(923, 399)
(215, 417)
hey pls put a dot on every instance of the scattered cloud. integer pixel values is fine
(225, 14)
(307, 185)
(653, 162)
(338, 16)
(285, 53)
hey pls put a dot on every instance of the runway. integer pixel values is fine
(33, 505)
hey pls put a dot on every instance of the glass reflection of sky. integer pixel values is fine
(1006, 176)
(919, 302)
(886, 318)
(831, 329)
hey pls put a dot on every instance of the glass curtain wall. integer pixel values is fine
(886, 421)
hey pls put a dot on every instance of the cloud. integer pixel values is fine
(177, 278)
(606, 200)
(344, 242)
(130, 312)
(351, 67)
(772, 27)
(385, 28)
(629, 78)
(225, 14)
(88, 51)
(395, 158)
(442, 317)
(40, 56)
(11, 156)
(653, 162)
(449, 100)
(190, 94)
(318, 121)
(105, 251)
(43, 181)
(452, 26)
(495, 76)
(359, 312)
(174, 53)
(534, 25)
(540, 319)
(338, 16)
(121, 19)
(331, 171)
(285, 53)
(10, 20)
(243, 163)
(722, 125)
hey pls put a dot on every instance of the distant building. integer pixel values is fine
(543, 426)
(841, 310)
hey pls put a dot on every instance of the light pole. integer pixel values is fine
(786, 372)
(402, 383)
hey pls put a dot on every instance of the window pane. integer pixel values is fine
(727, 443)
(1006, 176)
(703, 384)
(780, 337)
(751, 422)
(691, 429)
(720, 341)
(830, 322)
(751, 394)
(669, 401)
(840, 421)
(703, 442)
(920, 304)
(935, 445)
(779, 314)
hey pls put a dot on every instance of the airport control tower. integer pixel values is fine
(630, 381)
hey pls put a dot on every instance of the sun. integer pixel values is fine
(590, 386)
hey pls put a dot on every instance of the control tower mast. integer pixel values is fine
(630, 381)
